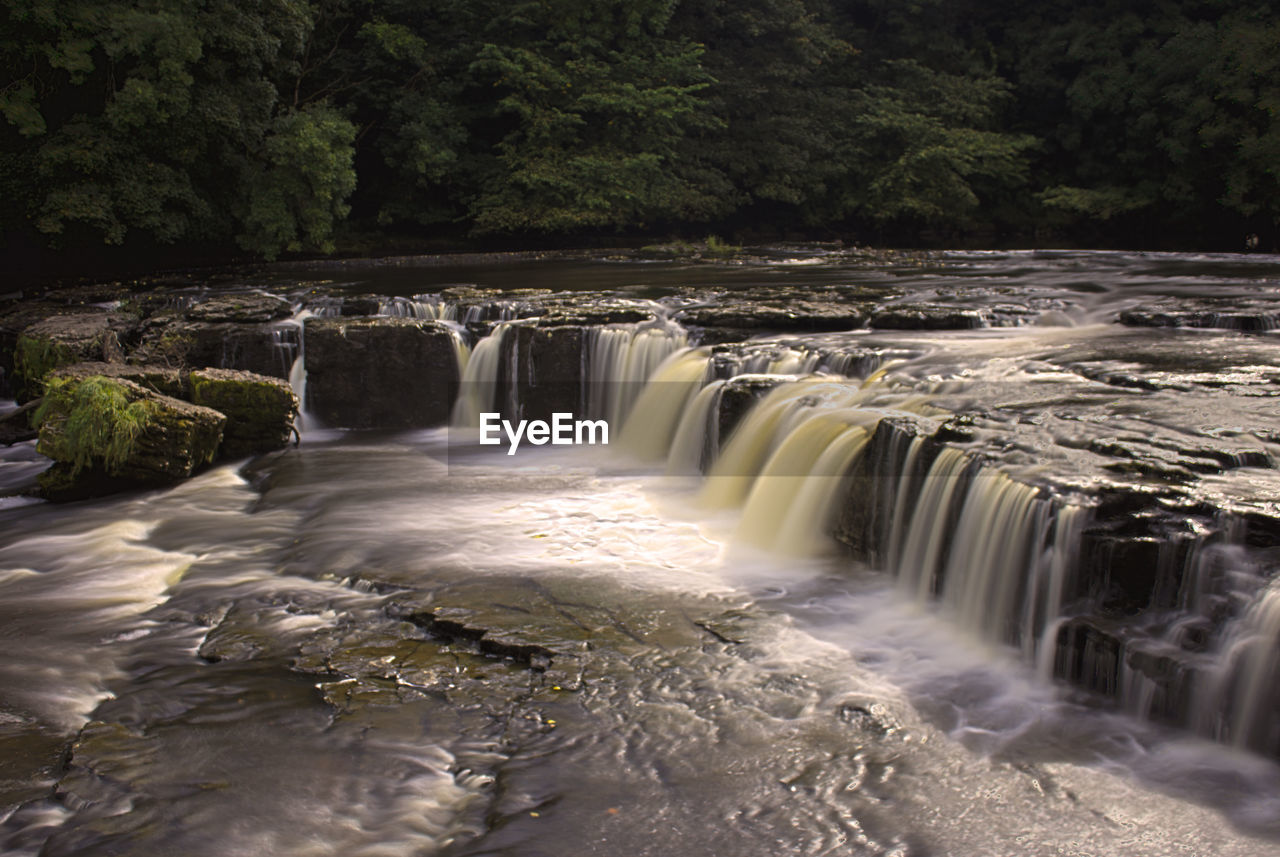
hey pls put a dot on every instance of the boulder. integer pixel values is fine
(548, 370)
(83, 419)
(260, 411)
(380, 372)
(169, 339)
(737, 397)
(60, 340)
(792, 315)
(927, 317)
(158, 379)
(1242, 314)
(247, 308)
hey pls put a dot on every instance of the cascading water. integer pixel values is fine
(480, 375)
(791, 503)
(297, 372)
(429, 307)
(620, 359)
(665, 399)
(1243, 686)
(697, 437)
(825, 673)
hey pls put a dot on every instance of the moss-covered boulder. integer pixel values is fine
(158, 379)
(169, 339)
(91, 335)
(108, 434)
(260, 411)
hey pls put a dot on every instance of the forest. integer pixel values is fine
(177, 129)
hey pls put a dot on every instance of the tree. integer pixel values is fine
(166, 119)
(596, 98)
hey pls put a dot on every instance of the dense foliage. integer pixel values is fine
(272, 127)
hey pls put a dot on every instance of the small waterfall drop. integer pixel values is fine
(478, 391)
(999, 543)
(657, 411)
(429, 307)
(789, 459)
(297, 374)
(697, 434)
(791, 504)
(1239, 694)
(922, 546)
(620, 359)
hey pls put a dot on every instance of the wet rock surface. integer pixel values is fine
(380, 373)
(1247, 315)
(160, 379)
(246, 308)
(1168, 438)
(167, 338)
(63, 339)
(260, 411)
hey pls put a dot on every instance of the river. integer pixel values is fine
(401, 643)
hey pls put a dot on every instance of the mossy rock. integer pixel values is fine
(34, 358)
(158, 379)
(260, 410)
(62, 340)
(110, 434)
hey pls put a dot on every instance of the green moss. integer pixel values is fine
(170, 349)
(244, 396)
(34, 358)
(99, 422)
(717, 246)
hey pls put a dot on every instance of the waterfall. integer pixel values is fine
(461, 350)
(792, 503)
(478, 391)
(901, 495)
(922, 546)
(657, 411)
(789, 460)
(429, 307)
(620, 359)
(1068, 527)
(697, 434)
(297, 373)
(998, 547)
(1238, 696)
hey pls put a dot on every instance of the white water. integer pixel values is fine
(429, 307)
(1240, 692)
(480, 373)
(620, 359)
(298, 371)
(697, 435)
(663, 402)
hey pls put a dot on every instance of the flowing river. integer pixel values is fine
(989, 571)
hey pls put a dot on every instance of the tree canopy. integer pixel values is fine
(273, 127)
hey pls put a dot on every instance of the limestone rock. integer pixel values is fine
(169, 339)
(249, 308)
(380, 372)
(175, 439)
(60, 340)
(260, 411)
